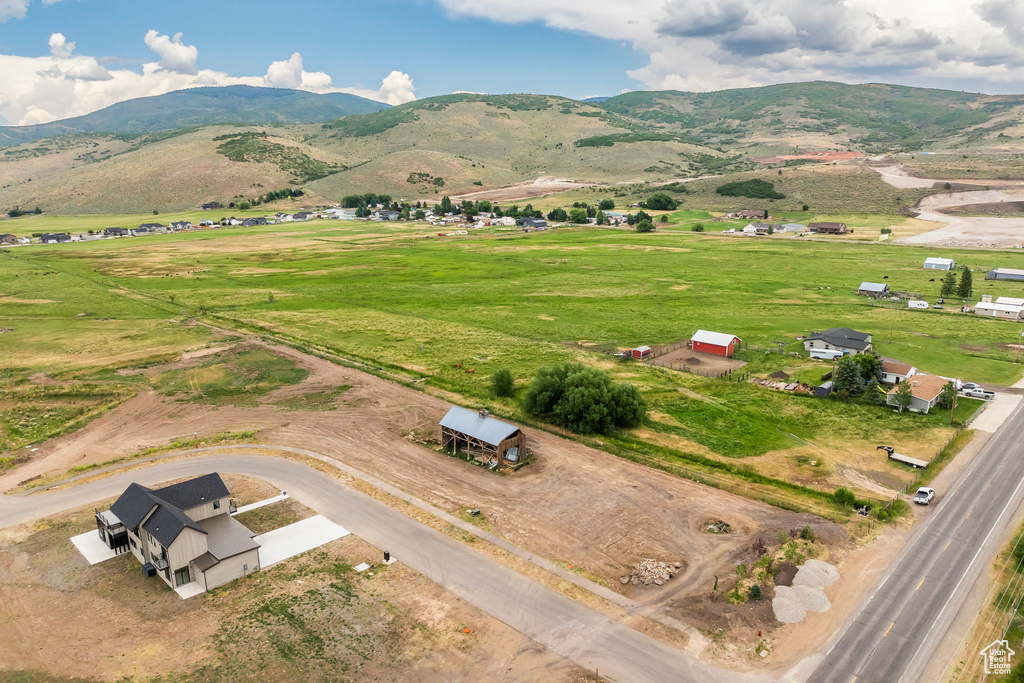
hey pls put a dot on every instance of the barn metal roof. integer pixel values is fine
(715, 338)
(470, 423)
(227, 536)
(936, 260)
(872, 287)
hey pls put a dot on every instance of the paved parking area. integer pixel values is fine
(291, 540)
(996, 412)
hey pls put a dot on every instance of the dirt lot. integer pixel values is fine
(700, 363)
(311, 618)
(527, 190)
(575, 505)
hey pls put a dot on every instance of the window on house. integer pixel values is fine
(216, 505)
(132, 541)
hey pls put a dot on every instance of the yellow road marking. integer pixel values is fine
(884, 635)
(947, 545)
(853, 680)
(969, 513)
(920, 584)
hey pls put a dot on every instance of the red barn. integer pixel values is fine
(715, 343)
(642, 352)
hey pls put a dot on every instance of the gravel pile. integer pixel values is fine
(788, 611)
(650, 571)
(816, 574)
(807, 594)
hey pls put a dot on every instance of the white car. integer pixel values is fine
(924, 495)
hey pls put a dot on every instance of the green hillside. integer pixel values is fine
(201, 106)
(874, 118)
(466, 143)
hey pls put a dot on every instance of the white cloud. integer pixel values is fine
(60, 47)
(714, 44)
(290, 74)
(12, 9)
(174, 55)
(64, 84)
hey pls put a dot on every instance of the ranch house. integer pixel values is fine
(841, 339)
(825, 228)
(482, 436)
(182, 533)
(894, 372)
(714, 343)
(925, 389)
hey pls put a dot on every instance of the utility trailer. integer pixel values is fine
(905, 459)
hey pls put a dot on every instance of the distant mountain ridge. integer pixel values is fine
(201, 106)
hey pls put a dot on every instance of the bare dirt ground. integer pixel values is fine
(527, 190)
(959, 230)
(702, 363)
(575, 505)
(394, 625)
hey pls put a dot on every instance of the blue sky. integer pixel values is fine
(61, 58)
(356, 43)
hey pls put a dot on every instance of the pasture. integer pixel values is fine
(400, 298)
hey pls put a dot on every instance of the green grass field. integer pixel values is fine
(437, 307)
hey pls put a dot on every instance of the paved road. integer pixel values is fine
(560, 624)
(900, 625)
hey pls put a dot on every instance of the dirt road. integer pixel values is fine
(528, 190)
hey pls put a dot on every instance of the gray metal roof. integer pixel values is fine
(470, 423)
(227, 537)
(205, 562)
(872, 287)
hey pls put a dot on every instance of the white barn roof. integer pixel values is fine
(937, 261)
(1005, 308)
(872, 287)
(715, 338)
(470, 423)
(1010, 300)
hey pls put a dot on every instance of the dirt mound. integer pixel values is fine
(785, 573)
(693, 360)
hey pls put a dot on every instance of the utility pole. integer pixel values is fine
(952, 411)
(1017, 359)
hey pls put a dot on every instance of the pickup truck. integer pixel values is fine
(924, 495)
(979, 393)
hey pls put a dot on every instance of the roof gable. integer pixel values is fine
(193, 492)
(471, 423)
(133, 505)
(167, 522)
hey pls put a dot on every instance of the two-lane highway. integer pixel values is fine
(896, 631)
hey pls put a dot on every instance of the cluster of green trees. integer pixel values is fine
(583, 399)
(579, 398)
(962, 288)
(859, 377)
(15, 212)
(660, 201)
(754, 188)
(274, 195)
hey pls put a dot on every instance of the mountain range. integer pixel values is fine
(175, 151)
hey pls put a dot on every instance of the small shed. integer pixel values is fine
(823, 390)
(875, 289)
(936, 263)
(482, 436)
(714, 343)
(1005, 274)
(641, 352)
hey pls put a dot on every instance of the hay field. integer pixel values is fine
(434, 308)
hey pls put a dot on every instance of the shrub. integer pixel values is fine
(583, 399)
(646, 225)
(578, 216)
(741, 570)
(886, 231)
(755, 592)
(754, 188)
(664, 218)
(807, 534)
(606, 205)
(558, 215)
(503, 383)
(806, 207)
(844, 497)
(698, 227)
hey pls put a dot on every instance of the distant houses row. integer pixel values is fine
(820, 228)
